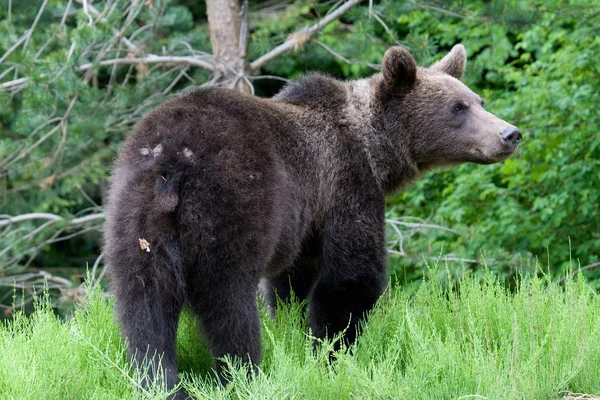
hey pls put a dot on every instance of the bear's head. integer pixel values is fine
(443, 120)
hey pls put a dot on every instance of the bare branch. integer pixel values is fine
(8, 220)
(438, 9)
(95, 268)
(31, 279)
(152, 59)
(14, 47)
(273, 77)
(35, 22)
(453, 258)
(87, 13)
(299, 38)
(328, 49)
(16, 82)
(411, 226)
(145, 58)
(419, 225)
(149, 59)
(383, 24)
(572, 274)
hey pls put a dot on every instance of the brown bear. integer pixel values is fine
(215, 190)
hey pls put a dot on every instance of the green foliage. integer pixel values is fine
(472, 339)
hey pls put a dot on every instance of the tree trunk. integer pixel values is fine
(229, 39)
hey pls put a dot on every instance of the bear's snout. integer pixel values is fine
(512, 135)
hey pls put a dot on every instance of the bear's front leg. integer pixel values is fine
(353, 274)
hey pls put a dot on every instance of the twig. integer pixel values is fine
(43, 138)
(458, 259)
(303, 36)
(420, 225)
(16, 82)
(95, 268)
(64, 17)
(328, 49)
(31, 279)
(14, 47)
(87, 13)
(274, 77)
(383, 24)
(35, 22)
(438, 9)
(578, 270)
(8, 220)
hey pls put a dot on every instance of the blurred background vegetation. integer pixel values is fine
(65, 110)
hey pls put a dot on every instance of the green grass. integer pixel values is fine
(474, 341)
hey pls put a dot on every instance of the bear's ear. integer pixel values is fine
(453, 63)
(398, 67)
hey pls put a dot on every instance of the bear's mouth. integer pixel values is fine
(490, 158)
(503, 154)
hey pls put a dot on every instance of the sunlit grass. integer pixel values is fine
(476, 340)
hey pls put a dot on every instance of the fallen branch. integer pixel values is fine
(299, 38)
(578, 270)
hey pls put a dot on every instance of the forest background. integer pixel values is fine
(75, 76)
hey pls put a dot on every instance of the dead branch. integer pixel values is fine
(152, 59)
(14, 47)
(438, 9)
(406, 227)
(328, 49)
(297, 39)
(8, 220)
(35, 22)
(31, 279)
(578, 270)
(144, 58)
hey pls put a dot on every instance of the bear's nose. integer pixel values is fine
(512, 135)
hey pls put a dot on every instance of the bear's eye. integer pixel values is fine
(458, 107)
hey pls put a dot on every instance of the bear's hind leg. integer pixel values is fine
(149, 295)
(228, 313)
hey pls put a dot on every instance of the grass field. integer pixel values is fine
(474, 341)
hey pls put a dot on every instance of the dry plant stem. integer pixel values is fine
(301, 37)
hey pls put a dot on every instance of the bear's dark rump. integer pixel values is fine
(204, 172)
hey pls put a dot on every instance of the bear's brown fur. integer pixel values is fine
(215, 189)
